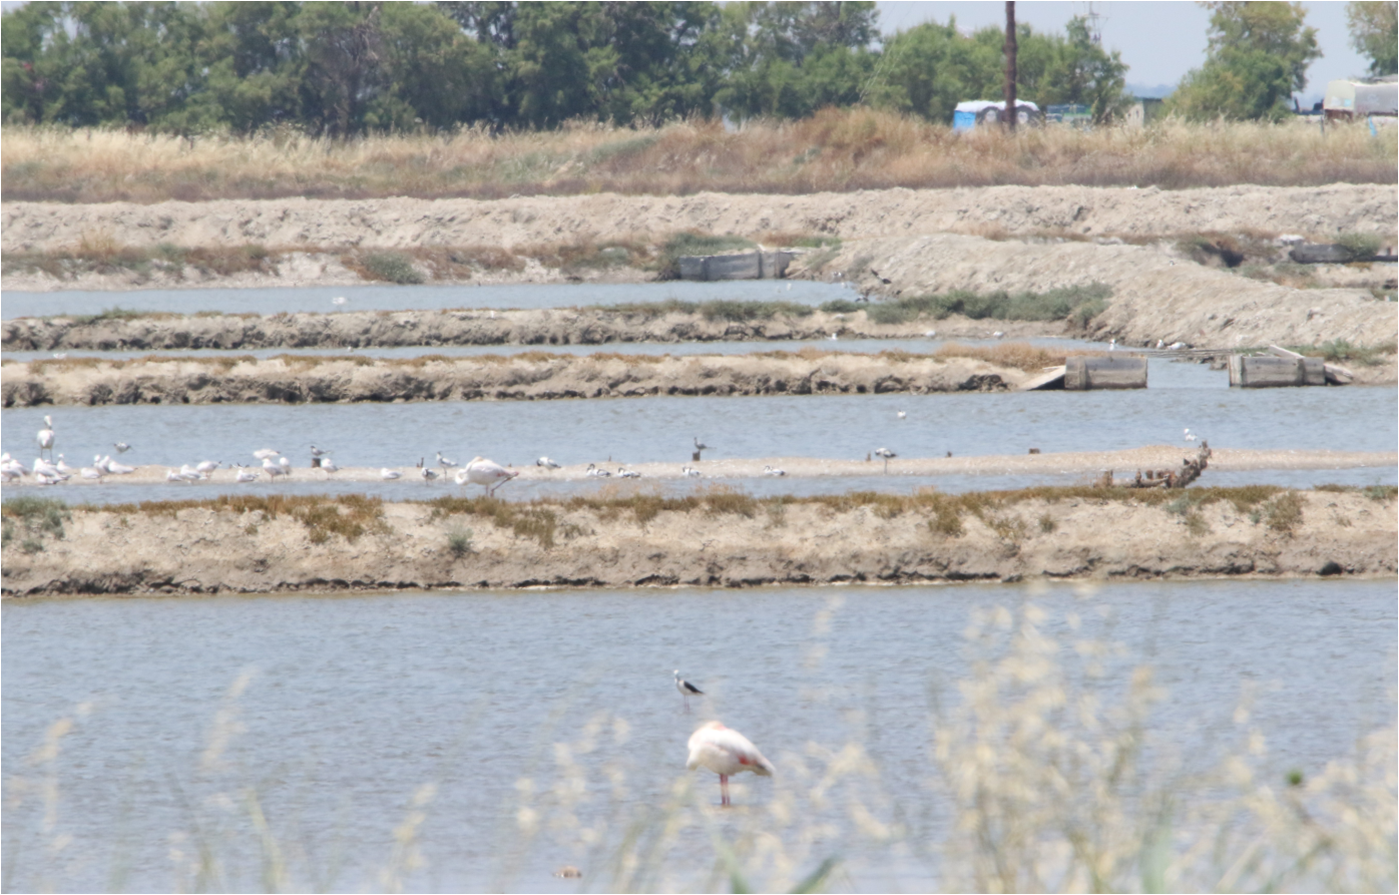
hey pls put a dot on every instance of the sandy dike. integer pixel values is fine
(294, 379)
(201, 550)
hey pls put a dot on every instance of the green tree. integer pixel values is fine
(1374, 32)
(1257, 57)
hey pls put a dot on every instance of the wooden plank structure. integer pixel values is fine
(1174, 478)
(1109, 371)
(745, 266)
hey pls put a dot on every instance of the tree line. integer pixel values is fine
(340, 69)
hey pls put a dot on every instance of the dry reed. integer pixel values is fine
(836, 150)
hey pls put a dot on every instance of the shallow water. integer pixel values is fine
(385, 297)
(355, 702)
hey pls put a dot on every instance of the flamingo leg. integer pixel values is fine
(724, 790)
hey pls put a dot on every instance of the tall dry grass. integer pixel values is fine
(835, 150)
(1047, 770)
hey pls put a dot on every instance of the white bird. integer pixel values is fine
(887, 455)
(930, 334)
(690, 471)
(247, 475)
(725, 752)
(546, 463)
(61, 355)
(686, 689)
(699, 446)
(428, 474)
(273, 470)
(192, 473)
(90, 473)
(768, 470)
(1176, 346)
(44, 467)
(121, 446)
(338, 300)
(998, 335)
(317, 452)
(1112, 345)
(114, 468)
(46, 436)
(175, 475)
(50, 478)
(488, 474)
(1189, 436)
(64, 467)
(834, 337)
(389, 475)
(328, 465)
(1160, 343)
(625, 473)
(207, 466)
(285, 464)
(9, 474)
(444, 462)
(265, 453)
(903, 414)
(598, 473)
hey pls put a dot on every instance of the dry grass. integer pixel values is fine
(347, 515)
(1020, 355)
(838, 150)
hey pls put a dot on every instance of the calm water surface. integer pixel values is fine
(384, 297)
(353, 703)
(644, 430)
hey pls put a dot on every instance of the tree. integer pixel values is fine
(1374, 32)
(1257, 57)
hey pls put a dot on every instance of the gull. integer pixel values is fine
(265, 453)
(428, 474)
(887, 455)
(686, 689)
(998, 335)
(207, 466)
(834, 337)
(599, 473)
(444, 462)
(690, 471)
(44, 467)
(115, 468)
(338, 300)
(1175, 346)
(9, 473)
(90, 473)
(389, 475)
(121, 446)
(488, 474)
(45, 437)
(175, 475)
(285, 464)
(625, 473)
(1189, 436)
(61, 355)
(64, 467)
(273, 470)
(50, 478)
(1160, 343)
(546, 463)
(768, 470)
(1112, 345)
(930, 334)
(192, 473)
(247, 475)
(903, 414)
(725, 752)
(329, 465)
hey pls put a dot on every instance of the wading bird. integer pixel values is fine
(546, 463)
(686, 689)
(598, 473)
(444, 462)
(121, 446)
(45, 437)
(488, 474)
(690, 472)
(428, 474)
(725, 752)
(887, 455)
(623, 472)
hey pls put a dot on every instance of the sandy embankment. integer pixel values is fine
(203, 550)
(527, 377)
(895, 242)
(543, 328)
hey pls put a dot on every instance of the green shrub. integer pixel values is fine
(1359, 245)
(393, 267)
(459, 542)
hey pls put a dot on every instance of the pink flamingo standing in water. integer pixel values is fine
(725, 752)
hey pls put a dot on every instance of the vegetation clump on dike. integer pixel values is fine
(353, 515)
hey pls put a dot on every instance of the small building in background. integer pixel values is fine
(1070, 114)
(1347, 100)
(1143, 110)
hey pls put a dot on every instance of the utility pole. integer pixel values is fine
(1010, 65)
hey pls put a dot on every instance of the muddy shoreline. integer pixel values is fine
(295, 379)
(203, 550)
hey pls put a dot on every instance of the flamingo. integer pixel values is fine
(45, 437)
(725, 752)
(887, 455)
(686, 689)
(546, 463)
(389, 475)
(488, 474)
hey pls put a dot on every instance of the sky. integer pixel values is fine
(1159, 39)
